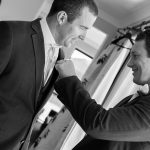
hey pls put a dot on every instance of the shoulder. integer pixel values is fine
(124, 101)
(5, 32)
(14, 25)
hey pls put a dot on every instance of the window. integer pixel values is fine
(86, 50)
(95, 38)
(93, 41)
(81, 62)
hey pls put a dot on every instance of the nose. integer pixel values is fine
(81, 37)
(82, 34)
(130, 63)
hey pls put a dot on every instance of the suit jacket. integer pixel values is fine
(124, 127)
(22, 93)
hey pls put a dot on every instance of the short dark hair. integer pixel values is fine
(72, 8)
(144, 35)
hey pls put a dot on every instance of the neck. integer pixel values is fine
(148, 88)
(53, 26)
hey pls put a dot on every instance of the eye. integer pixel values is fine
(83, 28)
(135, 56)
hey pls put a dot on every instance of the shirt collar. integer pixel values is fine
(48, 37)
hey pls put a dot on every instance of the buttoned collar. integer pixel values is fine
(48, 37)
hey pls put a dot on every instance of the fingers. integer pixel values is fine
(65, 68)
(62, 61)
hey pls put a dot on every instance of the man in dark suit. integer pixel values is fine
(28, 52)
(124, 127)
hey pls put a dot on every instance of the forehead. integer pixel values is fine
(87, 18)
(139, 48)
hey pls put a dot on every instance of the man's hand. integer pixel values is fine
(65, 68)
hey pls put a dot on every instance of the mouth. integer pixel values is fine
(134, 70)
(72, 42)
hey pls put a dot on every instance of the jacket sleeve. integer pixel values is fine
(125, 123)
(5, 45)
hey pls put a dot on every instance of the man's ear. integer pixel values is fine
(62, 17)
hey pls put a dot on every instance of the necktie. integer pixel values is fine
(49, 62)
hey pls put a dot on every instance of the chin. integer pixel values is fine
(138, 82)
(68, 45)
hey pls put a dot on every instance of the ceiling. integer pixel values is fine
(119, 13)
(123, 12)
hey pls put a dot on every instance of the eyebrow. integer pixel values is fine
(134, 53)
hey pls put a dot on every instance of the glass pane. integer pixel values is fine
(81, 62)
(95, 38)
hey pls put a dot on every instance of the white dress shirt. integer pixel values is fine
(51, 49)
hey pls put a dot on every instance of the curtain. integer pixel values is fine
(103, 90)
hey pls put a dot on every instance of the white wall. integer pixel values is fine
(109, 18)
(107, 28)
(19, 9)
(141, 15)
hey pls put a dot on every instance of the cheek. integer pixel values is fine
(145, 73)
(72, 35)
(66, 31)
(74, 31)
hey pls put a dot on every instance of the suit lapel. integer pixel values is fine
(54, 72)
(49, 87)
(38, 45)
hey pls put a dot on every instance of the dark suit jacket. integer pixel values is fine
(124, 127)
(22, 93)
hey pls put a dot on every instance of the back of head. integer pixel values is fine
(144, 35)
(72, 8)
